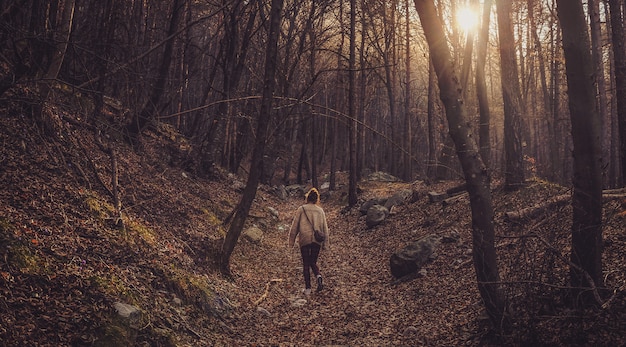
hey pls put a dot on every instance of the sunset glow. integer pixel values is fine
(467, 19)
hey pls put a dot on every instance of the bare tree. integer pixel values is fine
(586, 251)
(256, 168)
(476, 174)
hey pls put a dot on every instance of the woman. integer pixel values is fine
(308, 217)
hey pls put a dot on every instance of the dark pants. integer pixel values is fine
(310, 253)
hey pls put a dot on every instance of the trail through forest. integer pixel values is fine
(359, 304)
(67, 267)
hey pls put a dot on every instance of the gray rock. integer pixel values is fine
(263, 311)
(127, 311)
(399, 198)
(376, 215)
(371, 202)
(273, 212)
(254, 234)
(413, 256)
(382, 177)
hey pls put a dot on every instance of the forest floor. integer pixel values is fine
(65, 263)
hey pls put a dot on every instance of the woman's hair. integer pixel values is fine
(312, 196)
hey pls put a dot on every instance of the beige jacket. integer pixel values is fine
(301, 228)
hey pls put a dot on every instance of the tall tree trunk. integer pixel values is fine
(587, 198)
(596, 51)
(431, 171)
(408, 160)
(514, 163)
(619, 56)
(352, 197)
(360, 154)
(476, 174)
(547, 110)
(265, 116)
(481, 86)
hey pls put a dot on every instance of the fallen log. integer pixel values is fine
(451, 200)
(560, 200)
(534, 211)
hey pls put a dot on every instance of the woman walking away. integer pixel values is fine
(309, 218)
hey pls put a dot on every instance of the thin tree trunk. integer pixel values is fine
(256, 168)
(481, 86)
(476, 174)
(587, 198)
(352, 196)
(431, 171)
(408, 160)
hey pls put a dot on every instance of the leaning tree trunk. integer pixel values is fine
(256, 167)
(476, 174)
(586, 251)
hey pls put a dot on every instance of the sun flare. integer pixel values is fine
(467, 19)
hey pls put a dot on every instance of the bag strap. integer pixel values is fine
(307, 217)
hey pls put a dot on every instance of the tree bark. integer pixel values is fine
(352, 196)
(511, 94)
(256, 168)
(619, 57)
(596, 51)
(476, 174)
(481, 86)
(587, 198)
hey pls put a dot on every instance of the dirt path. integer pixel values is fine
(359, 305)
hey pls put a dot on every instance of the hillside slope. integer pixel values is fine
(65, 263)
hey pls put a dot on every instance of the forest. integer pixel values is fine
(138, 134)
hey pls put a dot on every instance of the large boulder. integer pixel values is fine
(399, 198)
(253, 234)
(376, 215)
(413, 256)
(371, 202)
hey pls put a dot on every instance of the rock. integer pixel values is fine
(376, 215)
(451, 237)
(263, 311)
(298, 302)
(410, 331)
(399, 198)
(382, 177)
(130, 312)
(295, 189)
(325, 186)
(273, 212)
(254, 234)
(281, 192)
(366, 205)
(176, 300)
(413, 256)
